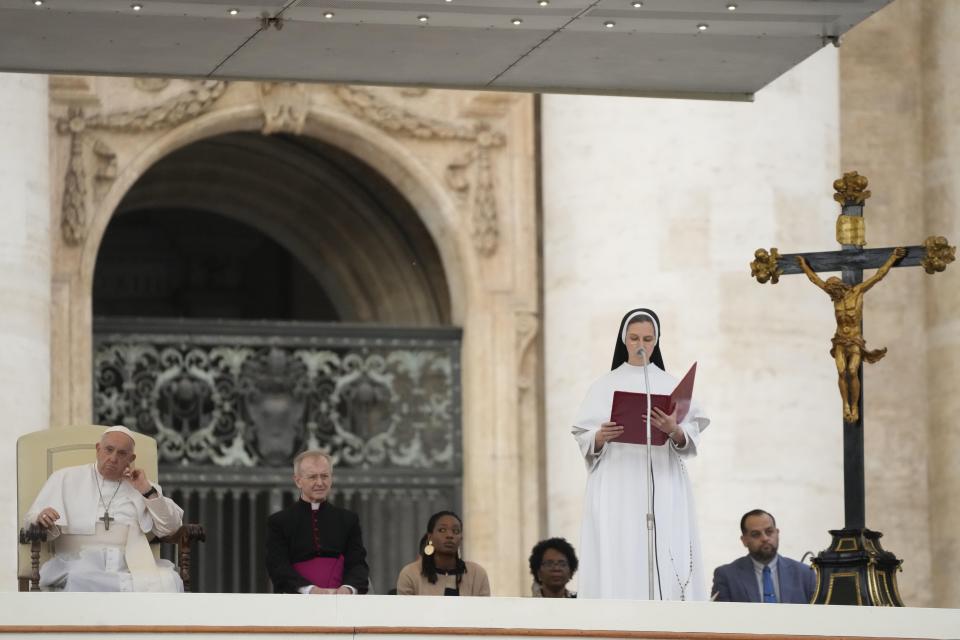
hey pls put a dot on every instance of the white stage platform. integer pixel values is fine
(58, 615)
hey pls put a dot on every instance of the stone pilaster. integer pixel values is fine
(24, 286)
(881, 128)
(941, 206)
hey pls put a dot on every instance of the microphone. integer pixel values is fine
(651, 515)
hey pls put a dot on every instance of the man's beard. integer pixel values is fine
(765, 554)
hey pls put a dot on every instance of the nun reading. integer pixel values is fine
(614, 535)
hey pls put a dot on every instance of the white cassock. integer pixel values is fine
(91, 557)
(613, 538)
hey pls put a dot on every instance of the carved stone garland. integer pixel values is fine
(79, 125)
(484, 226)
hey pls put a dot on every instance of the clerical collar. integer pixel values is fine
(313, 505)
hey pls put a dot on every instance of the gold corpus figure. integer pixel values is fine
(848, 343)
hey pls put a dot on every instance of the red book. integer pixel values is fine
(629, 410)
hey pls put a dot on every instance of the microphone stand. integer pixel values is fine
(651, 518)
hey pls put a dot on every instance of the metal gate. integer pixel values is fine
(231, 403)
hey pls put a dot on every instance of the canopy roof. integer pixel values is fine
(682, 48)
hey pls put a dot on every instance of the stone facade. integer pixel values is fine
(464, 162)
(643, 202)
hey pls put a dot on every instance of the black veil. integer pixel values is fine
(620, 354)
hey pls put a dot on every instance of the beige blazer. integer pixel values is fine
(411, 582)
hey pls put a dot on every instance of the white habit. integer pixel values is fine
(613, 540)
(90, 557)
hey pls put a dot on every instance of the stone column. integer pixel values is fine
(24, 286)
(941, 205)
(881, 126)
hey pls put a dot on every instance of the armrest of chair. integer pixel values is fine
(187, 534)
(34, 535)
(183, 538)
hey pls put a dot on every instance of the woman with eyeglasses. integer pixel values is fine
(440, 571)
(553, 563)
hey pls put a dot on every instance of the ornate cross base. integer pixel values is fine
(856, 570)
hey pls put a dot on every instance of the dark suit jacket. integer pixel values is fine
(737, 581)
(290, 539)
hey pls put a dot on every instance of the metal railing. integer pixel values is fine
(231, 403)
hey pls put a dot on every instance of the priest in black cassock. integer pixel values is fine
(313, 546)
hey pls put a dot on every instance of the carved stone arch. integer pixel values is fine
(474, 192)
(344, 224)
(424, 191)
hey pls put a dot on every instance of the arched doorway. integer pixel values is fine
(256, 295)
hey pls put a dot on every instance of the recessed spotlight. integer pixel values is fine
(423, 18)
(233, 12)
(636, 5)
(609, 24)
(703, 26)
(328, 15)
(38, 3)
(543, 3)
(516, 21)
(731, 6)
(136, 7)
(448, 1)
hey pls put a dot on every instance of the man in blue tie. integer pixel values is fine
(763, 575)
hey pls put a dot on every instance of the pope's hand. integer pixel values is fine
(137, 478)
(322, 591)
(47, 517)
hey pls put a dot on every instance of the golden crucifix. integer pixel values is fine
(849, 347)
(855, 553)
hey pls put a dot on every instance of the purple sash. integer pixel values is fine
(326, 573)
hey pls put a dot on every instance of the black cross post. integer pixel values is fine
(854, 569)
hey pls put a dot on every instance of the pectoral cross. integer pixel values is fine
(849, 348)
(105, 519)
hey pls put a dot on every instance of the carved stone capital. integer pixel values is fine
(285, 106)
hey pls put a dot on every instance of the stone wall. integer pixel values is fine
(662, 204)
